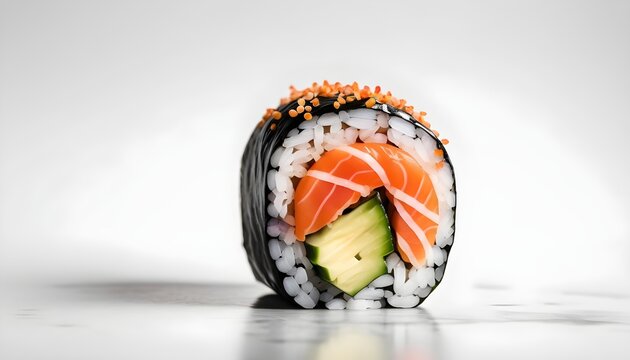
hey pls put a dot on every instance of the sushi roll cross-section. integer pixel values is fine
(348, 199)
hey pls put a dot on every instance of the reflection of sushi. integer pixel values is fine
(348, 199)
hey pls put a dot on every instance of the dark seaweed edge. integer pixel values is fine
(255, 164)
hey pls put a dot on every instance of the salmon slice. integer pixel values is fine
(343, 175)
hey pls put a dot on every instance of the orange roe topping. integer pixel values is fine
(439, 165)
(272, 126)
(344, 93)
(371, 102)
(438, 152)
(268, 113)
(308, 116)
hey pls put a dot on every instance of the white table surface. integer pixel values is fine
(222, 321)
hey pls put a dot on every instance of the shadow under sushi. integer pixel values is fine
(163, 293)
(273, 301)
(275, 329)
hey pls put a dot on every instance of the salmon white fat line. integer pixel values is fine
(399, 197)
(364, 190)
(313, 187)
(330, 193)
(337, 181)
(397, 193)
(428, 251)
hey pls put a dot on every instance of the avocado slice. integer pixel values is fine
(349, 253)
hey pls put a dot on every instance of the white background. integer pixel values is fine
(122, 125)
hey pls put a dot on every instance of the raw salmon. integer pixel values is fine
(343, 175)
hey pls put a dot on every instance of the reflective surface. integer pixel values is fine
(208, 321)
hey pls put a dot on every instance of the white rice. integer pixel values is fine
(407, 301)
(402, 126)
(291, 286)
(274, 249)
(308, 124)
(392, 260)
(360, 123)
(326, 297)
(363, 114)
(382, 281)
(328, 119)
(336, 304)
(402, 287)
(283, 265)
(314, 294)
(422, 292)
(370, 293)
(303, 137)
(439, 273)
(304, 300)
(307, 286)
(358, 304)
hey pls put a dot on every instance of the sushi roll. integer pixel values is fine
(347, 199)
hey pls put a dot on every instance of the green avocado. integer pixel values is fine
(349, 253)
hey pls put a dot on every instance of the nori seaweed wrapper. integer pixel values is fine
(255, 164)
